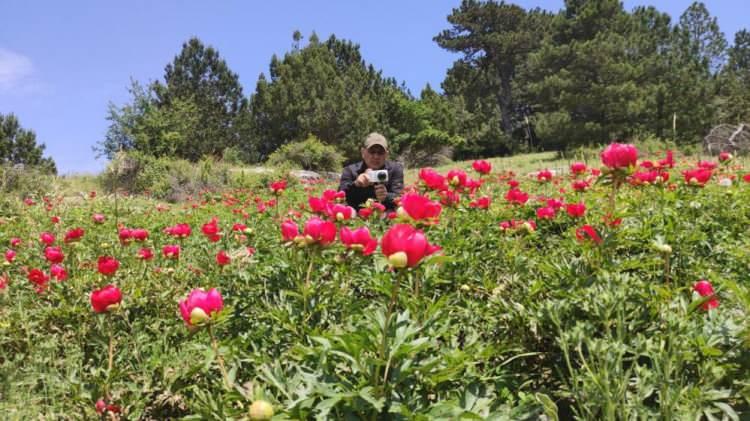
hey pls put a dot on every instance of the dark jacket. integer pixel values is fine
(357, 196)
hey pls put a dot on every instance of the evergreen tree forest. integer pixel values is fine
(524, 80)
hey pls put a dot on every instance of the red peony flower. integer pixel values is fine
(359, 240)
(125, 235)
(649, 177)
(481, 166)
(211, 230)
(546, 212)
(544, 175)
(697, 177)
(725, 157)
(179, 230)
(139, 234)
(106, 299)
(518, 224)
(200, 305)
(58, 272)
(38, 278)
(480, 203)
(432, 179)
(418, 207)
(333, 195)
(555, 204)
(646, 164)
(222, 258)
(289, 230)
(317, 205)
(278, 187)
(707, 165)
(618, 156)
(171, 251)
(405, 245)
(102, 407)
(319, 231)
(98, 218)
(667, 162)
(107, 265)
(53, 254)
(449, 198)
(364, 213)
(516, 196)
(588, 233)
(576, 210)
(578, 168)
(456, 178)
(47, 238)
(10, 255)
(339, 212)
(705, 289)
(73, 235)
(145, 254)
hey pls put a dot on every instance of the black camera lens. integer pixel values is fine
(382, 176)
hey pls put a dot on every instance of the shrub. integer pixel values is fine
(310, 154)
(163, 178)
(233, 156)
(429, 148)
(25, 181)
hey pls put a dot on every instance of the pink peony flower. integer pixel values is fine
(200, 305)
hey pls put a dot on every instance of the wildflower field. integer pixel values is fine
(615, 289)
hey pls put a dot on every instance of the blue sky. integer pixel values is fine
(61, 62)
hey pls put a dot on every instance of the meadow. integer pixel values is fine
(528, 288)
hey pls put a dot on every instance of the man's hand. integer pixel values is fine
(362, 180)
(380, 192)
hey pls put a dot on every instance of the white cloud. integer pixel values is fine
(15, 70)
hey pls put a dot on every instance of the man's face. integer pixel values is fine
(374, 157)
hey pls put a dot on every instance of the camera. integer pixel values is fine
(378, 176)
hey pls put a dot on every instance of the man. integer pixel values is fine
(356, 183)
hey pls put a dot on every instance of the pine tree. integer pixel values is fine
(325, 89)
(198, 75)
(495, 39)
(19, 146)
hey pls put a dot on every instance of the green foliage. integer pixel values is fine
(18, 182)
(591, 72)
(325, 89)
(424, 130)
(495, 39)
(163, 178)
(310, 154)
(233, 156)
(504, 326)
(198, 111)
(734, 82)
(18, 146)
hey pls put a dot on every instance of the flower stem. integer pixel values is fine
(306, 287)
(219, 358)
(416, 286)
(394, 294)
(110, 361)
(613, 196)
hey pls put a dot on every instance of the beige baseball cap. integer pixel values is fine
(374, 138)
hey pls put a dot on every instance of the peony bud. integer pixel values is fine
(398, 259)
(261, 410)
